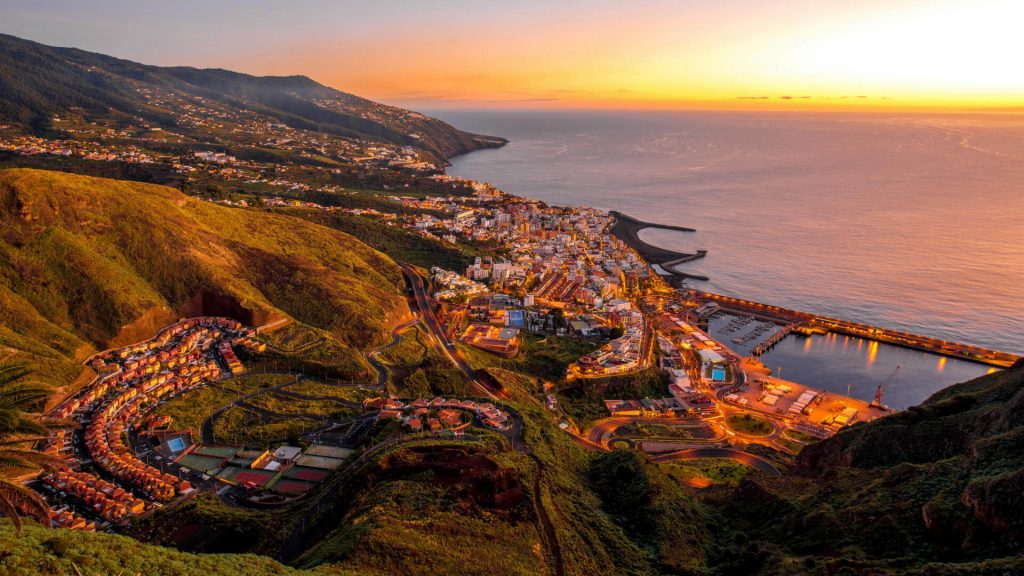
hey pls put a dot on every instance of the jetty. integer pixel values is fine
(807, 322)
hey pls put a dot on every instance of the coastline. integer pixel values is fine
(662, 260)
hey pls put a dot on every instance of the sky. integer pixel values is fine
(725, 54)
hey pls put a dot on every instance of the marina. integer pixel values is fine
(853, 366)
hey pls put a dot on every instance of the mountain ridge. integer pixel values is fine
(38, 81)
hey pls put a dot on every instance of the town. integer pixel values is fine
(122, 462)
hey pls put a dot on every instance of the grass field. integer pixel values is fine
(645, 430)
(547, 358)
(750, 425)
(409, 352)
(707, 471)
(293, 337)
(191, 409)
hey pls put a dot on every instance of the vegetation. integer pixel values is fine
(84, 262)
(401, 244)
(704, 472)
(65, 552)
(277, 407)
(546, 358)
(749, 425)
(434, 504)
(410, 351)
(293, 338)
(38, 82)
(678, 432)
(583, 399)
(403, 359)
(479, 520)
(83, 258)
(206, 524)
(417, 371)
(190, 410)
(17, 430)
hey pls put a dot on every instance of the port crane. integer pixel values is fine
(877, 402)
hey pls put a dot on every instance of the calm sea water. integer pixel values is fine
(906, 221)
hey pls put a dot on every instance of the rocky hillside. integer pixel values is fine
(39, 81)
(961, 453)
(936, 489)
(86, 262)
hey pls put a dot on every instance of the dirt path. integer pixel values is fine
(547, 527)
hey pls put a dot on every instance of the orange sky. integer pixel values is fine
(574, 53)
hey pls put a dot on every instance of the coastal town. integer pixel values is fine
(563, 272)
(511, 289)
(530, 272)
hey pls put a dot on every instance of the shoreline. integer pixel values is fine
(626, 228)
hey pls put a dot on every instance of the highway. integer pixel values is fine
(437, 337)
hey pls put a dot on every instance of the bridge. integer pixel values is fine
(815, 322)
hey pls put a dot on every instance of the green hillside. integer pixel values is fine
(42, 551)
(550, 507)
(936, 489)
(86, 261)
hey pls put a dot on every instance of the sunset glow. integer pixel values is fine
(741, 54)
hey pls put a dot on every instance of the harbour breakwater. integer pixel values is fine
(627, 229)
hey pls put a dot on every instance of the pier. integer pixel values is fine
(810, 323)
(774, 339)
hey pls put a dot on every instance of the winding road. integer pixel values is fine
(373, 356)
(439, 339)
(747, 458)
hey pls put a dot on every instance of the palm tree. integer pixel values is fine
(18, 430)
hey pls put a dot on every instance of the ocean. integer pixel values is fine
(909, 221)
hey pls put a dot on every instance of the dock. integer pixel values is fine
(774, 339)
(809, 323)
(815, 411)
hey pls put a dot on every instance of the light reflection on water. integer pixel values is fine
(831, 362)
(886, 219)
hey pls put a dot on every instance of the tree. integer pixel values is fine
(18, 430)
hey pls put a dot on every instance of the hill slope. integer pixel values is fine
(39, 81)
(936, 489)
(88, 261)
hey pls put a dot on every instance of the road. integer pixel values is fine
(601, 430)
(439, 339)
(747, 458)
(373, 356)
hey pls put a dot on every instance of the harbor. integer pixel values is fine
(847, 365)
(809, 323)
